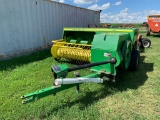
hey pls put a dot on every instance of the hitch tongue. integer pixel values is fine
(44, 92)
(39, 94)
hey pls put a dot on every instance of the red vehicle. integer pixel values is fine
(153, 24)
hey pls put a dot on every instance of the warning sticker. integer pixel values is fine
(107, 54)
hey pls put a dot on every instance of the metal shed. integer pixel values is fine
(28, 25)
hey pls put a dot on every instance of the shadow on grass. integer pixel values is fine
(127, 80)
(156, 36)
(25, 59)
(133, 79)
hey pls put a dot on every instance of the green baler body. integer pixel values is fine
(105, 44)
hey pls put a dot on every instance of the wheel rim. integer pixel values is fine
(146, 44)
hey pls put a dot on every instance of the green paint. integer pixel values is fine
(105, 44)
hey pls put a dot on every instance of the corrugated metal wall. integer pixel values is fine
(26, 25)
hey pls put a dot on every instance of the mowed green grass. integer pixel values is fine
(135, 96)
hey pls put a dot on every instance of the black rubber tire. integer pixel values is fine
(148, 32)
(146, 43)
(134, 62)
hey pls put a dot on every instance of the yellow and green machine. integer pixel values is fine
(104, 49)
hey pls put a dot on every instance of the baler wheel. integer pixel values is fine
(146, 43)
(134, 63)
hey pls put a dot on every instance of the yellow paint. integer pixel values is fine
(97, 30)
(73, 51)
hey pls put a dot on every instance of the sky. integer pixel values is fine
(119, 11)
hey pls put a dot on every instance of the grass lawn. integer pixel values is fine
(135, 96)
